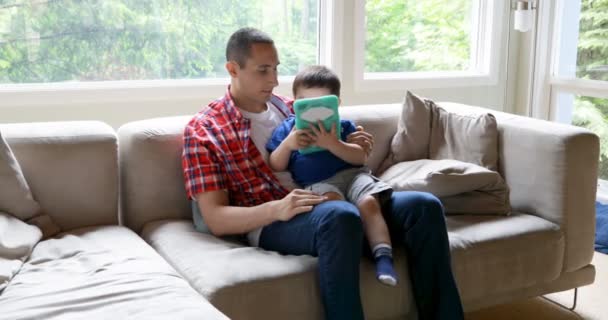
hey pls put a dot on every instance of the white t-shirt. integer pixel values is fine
(262, 126)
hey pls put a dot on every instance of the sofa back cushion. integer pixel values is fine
(71, 169)
(152, 183)
(381, 121)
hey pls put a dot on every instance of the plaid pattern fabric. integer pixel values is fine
(219, 154)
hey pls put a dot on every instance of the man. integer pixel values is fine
(226, 174)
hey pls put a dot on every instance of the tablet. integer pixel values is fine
(310, 111)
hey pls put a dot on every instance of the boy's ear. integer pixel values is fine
(232, 68)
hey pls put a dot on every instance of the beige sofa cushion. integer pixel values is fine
(17, 203)
(16, 197)
(250, 283)
(490, 254)
(17, 239)
(100, 273)
(411, 141)
(467, 137)
(462, 187)
(499, 255)
(427, 131)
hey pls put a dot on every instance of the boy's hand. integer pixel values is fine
(298, 139)
(323, 138)
(364, 139)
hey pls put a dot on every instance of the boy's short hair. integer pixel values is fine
(239, 45)
(317, 77)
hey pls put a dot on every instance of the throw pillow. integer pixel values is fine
(411, 141)
(462, 187)
(427, 131)
(17, 239)
(470, 138)
(16, 198)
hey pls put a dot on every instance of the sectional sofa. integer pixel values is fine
(128, 248)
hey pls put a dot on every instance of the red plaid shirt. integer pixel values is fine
(220, 155)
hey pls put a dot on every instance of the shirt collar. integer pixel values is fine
(234, 112)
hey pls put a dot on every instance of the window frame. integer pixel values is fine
(333, 40)
(547, 82)
(485, 57)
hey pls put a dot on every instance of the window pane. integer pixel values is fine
(584, 40)
(414, 35)
(94, 40)
(590, 113)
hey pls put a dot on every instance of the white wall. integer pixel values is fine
(121, 106)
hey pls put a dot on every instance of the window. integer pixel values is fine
(591, 50)
(591, 113)
(50, 41)
(427, 44)
(412, 35)
(578, 85)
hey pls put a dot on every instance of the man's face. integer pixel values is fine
(258, 77)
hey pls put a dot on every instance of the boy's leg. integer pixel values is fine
(333, 232)
(378, 237)
(416, 219)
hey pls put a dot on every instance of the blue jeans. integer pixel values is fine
(333, 232)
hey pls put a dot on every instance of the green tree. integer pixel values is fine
(587, 115)
(592, 63)
(91, 40)
(410, 35)
(592, 59)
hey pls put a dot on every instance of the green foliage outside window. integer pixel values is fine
(92, 40)
(413, 35)
(592, 63)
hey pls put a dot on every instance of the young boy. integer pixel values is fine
(338, 172)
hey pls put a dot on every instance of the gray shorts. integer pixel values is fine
(352, 184)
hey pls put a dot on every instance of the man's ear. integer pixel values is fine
(232, 67)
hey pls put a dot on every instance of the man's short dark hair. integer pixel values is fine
(239, 45)
(317, 77)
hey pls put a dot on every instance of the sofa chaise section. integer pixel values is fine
(94, 269)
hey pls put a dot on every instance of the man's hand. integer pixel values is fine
(296, 202)
(362, 138)
(298, 139)
(323, 138)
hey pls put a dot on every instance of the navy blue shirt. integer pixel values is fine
(307, 169)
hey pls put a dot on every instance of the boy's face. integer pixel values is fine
(303, 93)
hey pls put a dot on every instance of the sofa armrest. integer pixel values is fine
(551, 169)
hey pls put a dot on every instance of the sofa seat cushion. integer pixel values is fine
(100, 273)
(500, 254)
(250, 283)
(490, 254)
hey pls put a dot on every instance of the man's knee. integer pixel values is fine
(431, 203)
(421, 204)
(341, 216)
